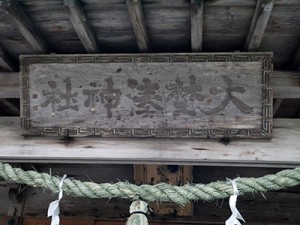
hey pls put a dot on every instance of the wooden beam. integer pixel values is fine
(83, 29)
(196, 25)
(286, 85)
(22, 21)
(259, 23)
(171, 174)
(139, 26)
(281, 151)
(295, 62)
(6, 62)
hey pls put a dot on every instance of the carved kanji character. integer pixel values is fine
(182, 94)
(92, 96)
(110, 97)
(68, 97)
(52, 97)
(244, 108)
(146, 99)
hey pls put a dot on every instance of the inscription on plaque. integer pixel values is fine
(196, 95)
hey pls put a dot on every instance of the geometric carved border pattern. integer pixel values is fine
(267, 96)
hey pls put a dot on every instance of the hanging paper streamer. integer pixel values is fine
(236, 216)
(138, 211)
(53, 209)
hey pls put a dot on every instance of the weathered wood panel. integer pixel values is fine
(281, 151)
(284, 81)
(116, 34)
(159, 95)
(171, 174)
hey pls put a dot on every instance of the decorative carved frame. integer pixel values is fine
(267, 95)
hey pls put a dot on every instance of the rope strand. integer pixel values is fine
(161, 192)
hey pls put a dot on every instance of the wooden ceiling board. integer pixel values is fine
(52, 21)
(226, 27)
(168, 28)
(11, 39)
(112, 26)
(229, 20)
(282, 34)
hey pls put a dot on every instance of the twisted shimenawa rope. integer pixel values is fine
(152, 193)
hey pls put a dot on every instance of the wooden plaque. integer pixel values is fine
(148, 95)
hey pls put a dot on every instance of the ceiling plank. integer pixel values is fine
(6, 62)
(24, 24)
(196, 25)
(139, 26)
(280, 151)
(80, 23)
(259, 23)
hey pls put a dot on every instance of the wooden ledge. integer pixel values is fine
(281, 151)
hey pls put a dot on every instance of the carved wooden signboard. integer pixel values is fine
(148, 95)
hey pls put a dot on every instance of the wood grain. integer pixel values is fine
(81, 25)
(196, 25)
(281, 151)
(139, 26)
(168, 24)
(171, 174)
(284, 82)
(259, 23)
(158, 95)
(24, 24)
